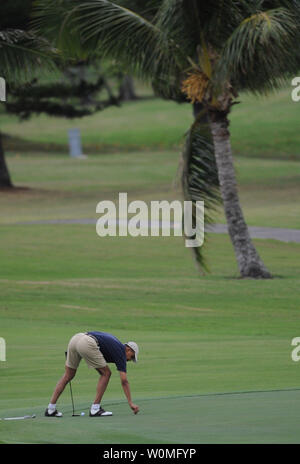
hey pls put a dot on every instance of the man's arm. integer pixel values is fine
(126, 388)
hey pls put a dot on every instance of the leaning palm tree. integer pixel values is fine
(208, 51)
(21, 54)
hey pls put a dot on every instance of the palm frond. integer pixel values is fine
(53, 20)
(112, 30)
(22, 53)
(176, 22)
(219, 18)
(118, 32)
(260, 53)
(199, 178)
(146, 9)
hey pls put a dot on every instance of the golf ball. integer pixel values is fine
(82, 413)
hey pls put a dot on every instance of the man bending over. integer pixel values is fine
(97, 349)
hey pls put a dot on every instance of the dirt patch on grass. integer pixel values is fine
(189, 308)
(14, 190)
(78, 307)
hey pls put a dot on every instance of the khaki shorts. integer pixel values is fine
(83, 346)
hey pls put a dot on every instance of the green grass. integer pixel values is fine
(266, 126)
(64, 188)
(137, 125)
(260, 127)
(197, 334)
(236, 418)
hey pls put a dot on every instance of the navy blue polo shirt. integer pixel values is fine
(112, 349)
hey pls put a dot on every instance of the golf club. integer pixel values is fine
(71, 392)
(19, 418)
(73, 410)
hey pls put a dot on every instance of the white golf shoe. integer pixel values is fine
(101, 413)
(54, 413)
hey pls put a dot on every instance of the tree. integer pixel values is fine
(74, 93)
(211, 51)
(126, 89)
(197, 166)
(21, 54)
(75, 89)
(14, 15)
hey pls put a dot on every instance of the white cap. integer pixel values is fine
(134, 348)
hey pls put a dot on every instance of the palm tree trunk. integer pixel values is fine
(249, 262)
(5, 181)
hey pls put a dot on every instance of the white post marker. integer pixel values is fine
(2, 89)
(2, 349)
(75, 144)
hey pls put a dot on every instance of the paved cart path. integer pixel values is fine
(275, 233)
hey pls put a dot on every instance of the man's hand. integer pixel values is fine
(126, 388)
(134, 407)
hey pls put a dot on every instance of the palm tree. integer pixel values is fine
(21, 53)
(208, 51)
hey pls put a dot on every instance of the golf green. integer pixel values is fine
(245, 417)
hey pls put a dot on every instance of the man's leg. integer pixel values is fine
(105, 374)
(73, 359)
(60, 386)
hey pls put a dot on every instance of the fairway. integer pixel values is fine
(57, 187)
(198, 335)
(256, 417)
(159, 125)
(202, 338)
